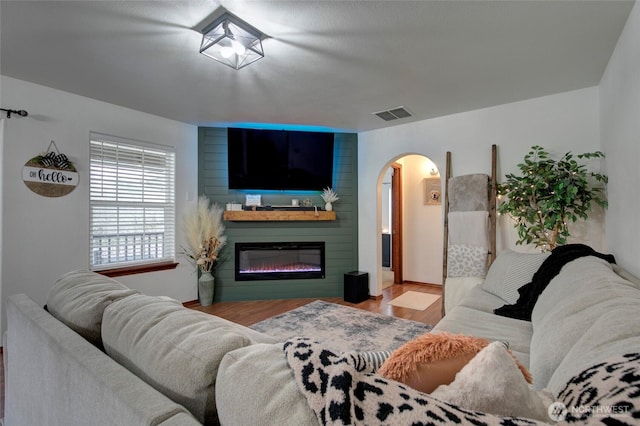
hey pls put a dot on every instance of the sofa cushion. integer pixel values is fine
(626, 274)
(615, 332)
(175, 349)
(457, 289)
(477, 298)
(255, 386)
(587, 313)
(469, 321)
(79, 298)
(510, 271)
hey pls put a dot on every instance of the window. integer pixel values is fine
(132, 203)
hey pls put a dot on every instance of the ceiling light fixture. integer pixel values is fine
(231, 41)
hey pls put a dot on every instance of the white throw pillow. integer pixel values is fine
(510, 271)
(491, 382)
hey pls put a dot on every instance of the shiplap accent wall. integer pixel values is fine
(340, 236)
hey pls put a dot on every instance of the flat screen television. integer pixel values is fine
(279, 159)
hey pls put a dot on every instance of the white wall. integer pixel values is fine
(45, 237)
(562, 122)
(620, 135)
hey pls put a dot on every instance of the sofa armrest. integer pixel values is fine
(56, 377)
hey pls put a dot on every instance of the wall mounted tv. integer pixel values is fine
(279, 159)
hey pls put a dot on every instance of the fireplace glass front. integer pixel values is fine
(279, 260)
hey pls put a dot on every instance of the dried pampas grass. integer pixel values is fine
(204, 233)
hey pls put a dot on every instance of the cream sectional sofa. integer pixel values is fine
(168, 365)
(103, 354)
(588, 313)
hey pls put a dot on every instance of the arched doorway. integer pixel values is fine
(411, 224)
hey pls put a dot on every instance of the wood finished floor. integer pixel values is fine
(251, 312)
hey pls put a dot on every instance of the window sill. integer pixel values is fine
(140, 269)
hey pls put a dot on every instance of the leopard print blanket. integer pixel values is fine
(343, 389)
(606, 393)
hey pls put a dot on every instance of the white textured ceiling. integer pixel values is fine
(327, 63)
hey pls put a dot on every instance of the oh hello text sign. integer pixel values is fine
(40, 174)
(49, 181)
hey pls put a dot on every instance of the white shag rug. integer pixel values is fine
(415, 300)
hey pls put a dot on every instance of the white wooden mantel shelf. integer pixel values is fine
(278, 215)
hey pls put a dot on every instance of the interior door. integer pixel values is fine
(396, 223)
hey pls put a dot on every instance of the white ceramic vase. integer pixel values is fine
(328, 207)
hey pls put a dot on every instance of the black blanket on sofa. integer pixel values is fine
(551, 266)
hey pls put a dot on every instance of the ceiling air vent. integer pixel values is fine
(393, 114)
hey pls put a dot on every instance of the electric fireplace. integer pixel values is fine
(279, 261)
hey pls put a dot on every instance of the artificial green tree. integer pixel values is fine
(549, 194)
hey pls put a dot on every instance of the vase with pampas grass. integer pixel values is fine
(329, 196)
(204, 233)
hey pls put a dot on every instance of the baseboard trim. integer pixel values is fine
(378, 297)
(190, 303)
(437, 286)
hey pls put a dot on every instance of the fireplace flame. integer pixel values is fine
(293, 267)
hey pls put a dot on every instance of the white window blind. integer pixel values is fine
(132, 203)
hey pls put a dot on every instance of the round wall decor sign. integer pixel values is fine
(50, 175)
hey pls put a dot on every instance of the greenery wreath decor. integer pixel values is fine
(549, 194)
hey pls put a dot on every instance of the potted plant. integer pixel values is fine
(549, 194)
(329, 196)
(204, 233)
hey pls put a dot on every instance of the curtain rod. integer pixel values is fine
(21, 113)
